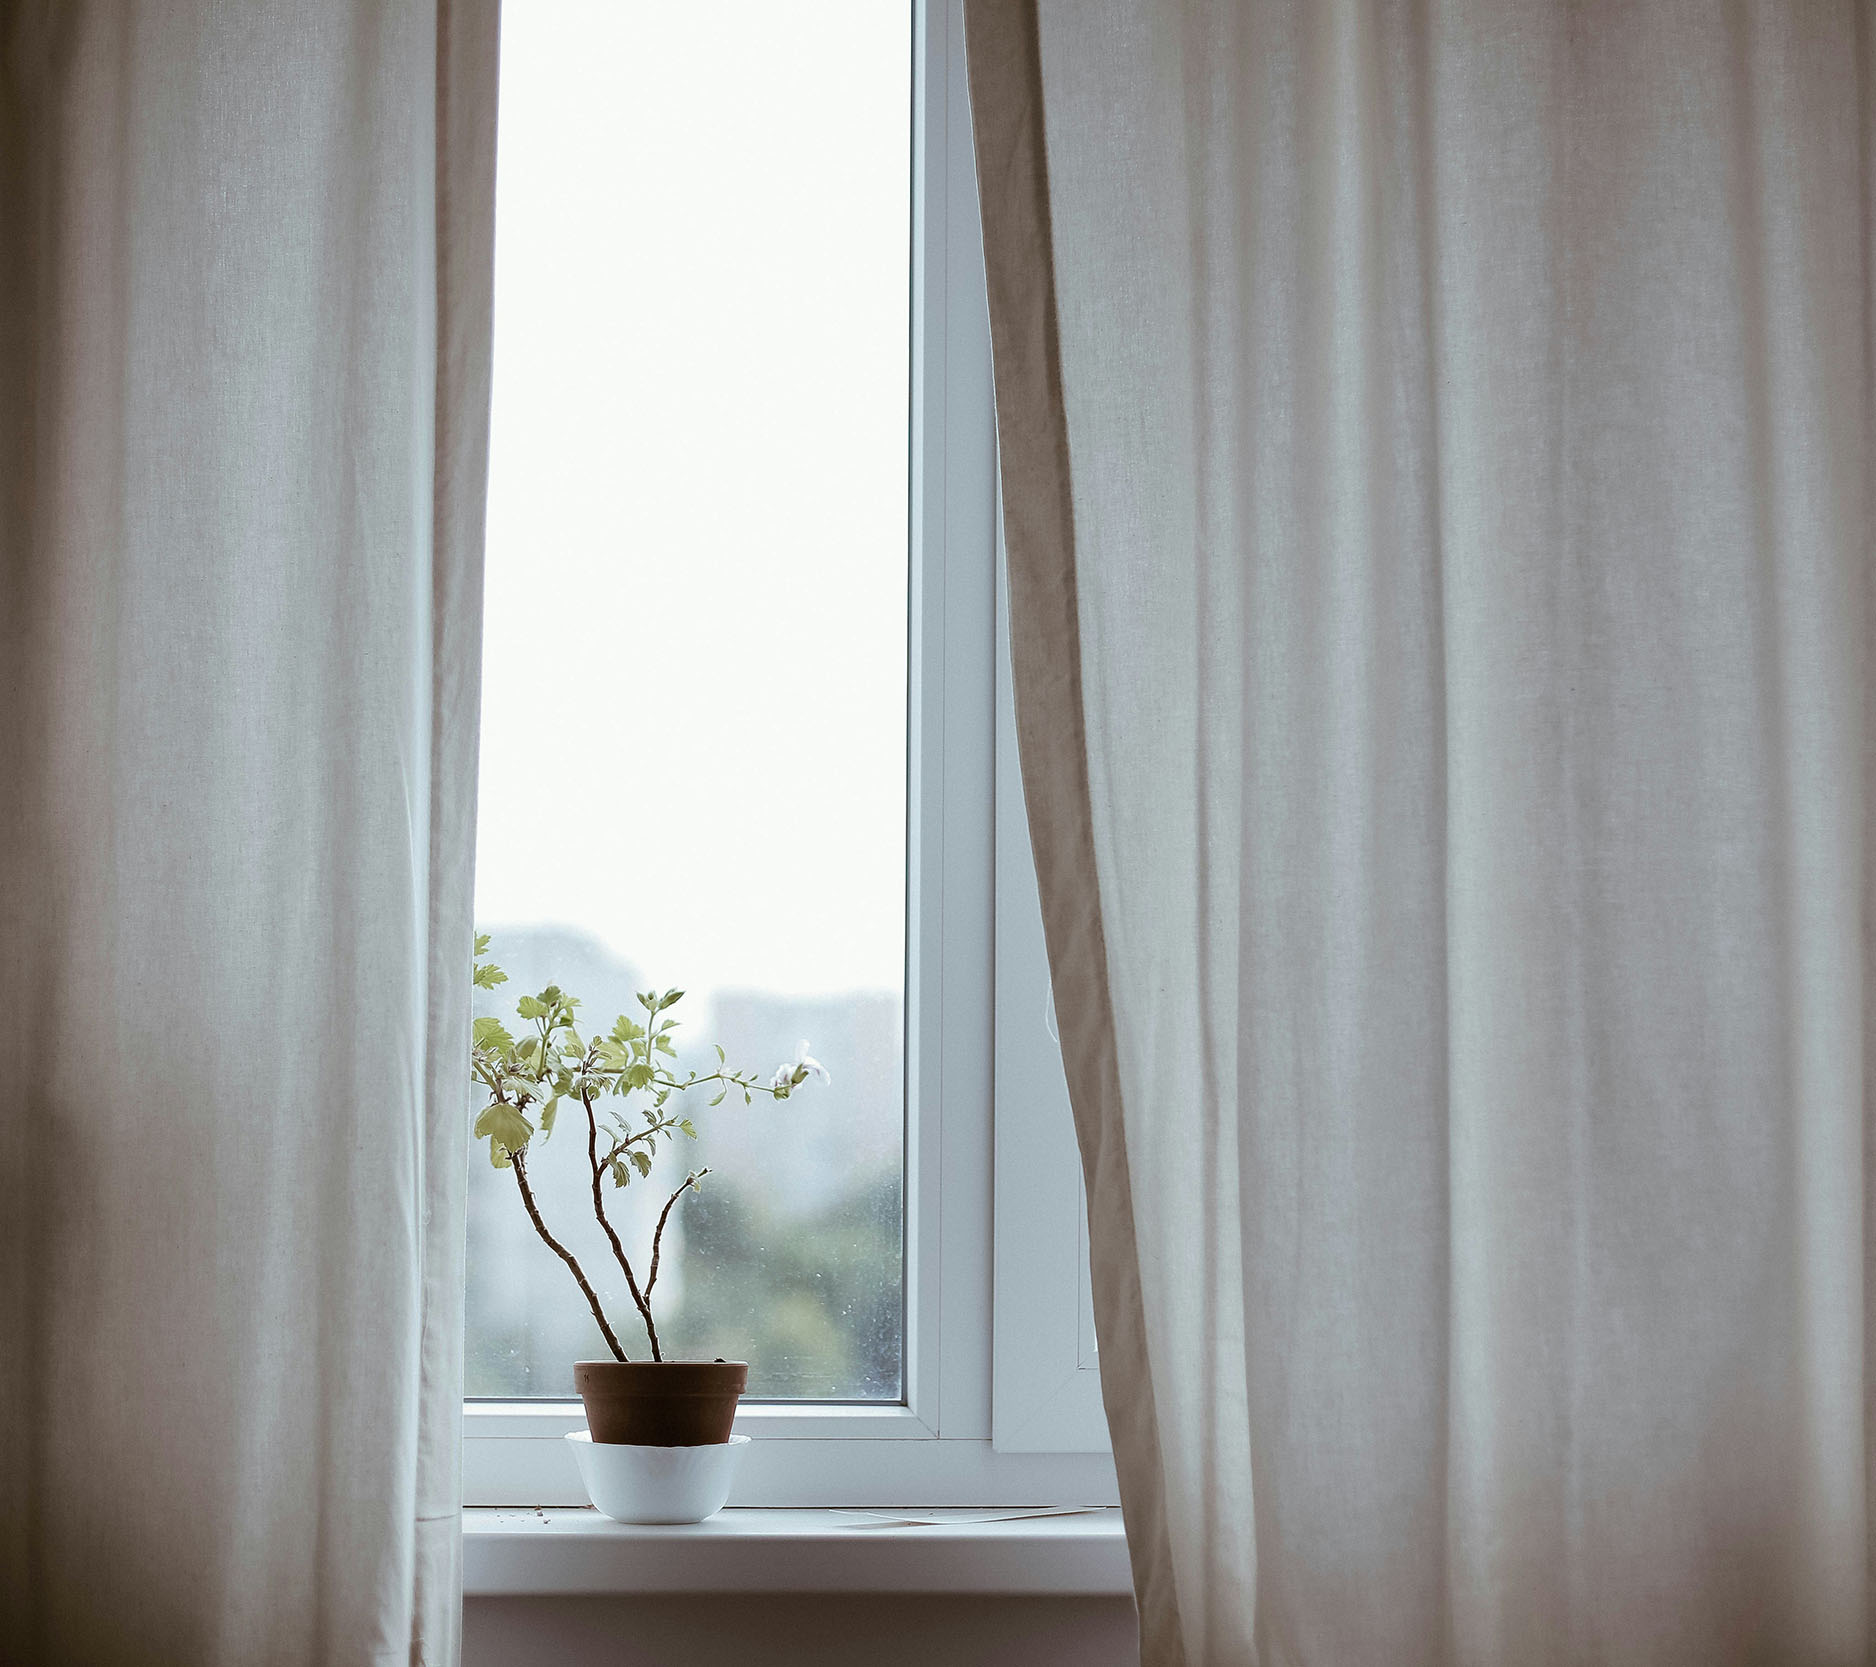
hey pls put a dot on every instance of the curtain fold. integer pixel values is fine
(1437, 455)
(246, 252)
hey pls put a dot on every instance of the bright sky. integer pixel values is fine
(694, 720)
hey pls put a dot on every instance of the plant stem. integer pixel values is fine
(667, 1081)
(732, 1078)
(599, 1209)
(657, 1238)
(518, 1162)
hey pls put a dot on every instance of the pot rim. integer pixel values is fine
(639, 1364)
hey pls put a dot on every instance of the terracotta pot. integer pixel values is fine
(660, 1403)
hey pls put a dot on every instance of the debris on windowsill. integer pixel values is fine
(955, 1518)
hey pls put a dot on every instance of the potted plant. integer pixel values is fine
(658, 1445)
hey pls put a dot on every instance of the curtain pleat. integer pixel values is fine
(1437, 455)
(1032, 444)
(467, 54)
(244, 335)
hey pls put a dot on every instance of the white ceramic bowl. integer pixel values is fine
(656, 1484)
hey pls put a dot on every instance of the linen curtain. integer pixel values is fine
(245, 252)
(1437, 459)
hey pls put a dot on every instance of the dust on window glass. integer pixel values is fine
(693, 767)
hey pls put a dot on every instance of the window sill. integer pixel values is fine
(560, 1552)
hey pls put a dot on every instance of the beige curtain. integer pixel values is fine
(1437, 451)
(245, 256)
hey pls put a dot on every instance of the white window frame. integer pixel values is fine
(936, 1448)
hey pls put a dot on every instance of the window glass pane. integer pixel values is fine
(694, 673)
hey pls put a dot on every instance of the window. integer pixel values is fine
(714, 322)
(694, 716)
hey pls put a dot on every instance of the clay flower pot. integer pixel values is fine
(660, 1403)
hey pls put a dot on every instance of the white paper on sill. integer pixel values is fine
(950, 1519)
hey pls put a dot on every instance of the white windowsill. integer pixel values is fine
(558, 1551)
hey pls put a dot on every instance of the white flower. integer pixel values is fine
(792, 1073)
(807, 1066)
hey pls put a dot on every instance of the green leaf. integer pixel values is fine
(531, 1007)
(490, 1033)
(664, 1046)
(719, 1099)
(498, 1155)
(483, 940)
(641, 1163)
(689, 1127)
(637, 1076)
(626, 1031)
(646, 1001)
(486, 977)
(620, 1174)
(547, 1117)
(722, 1057)
(505, 1125)
(671, 998)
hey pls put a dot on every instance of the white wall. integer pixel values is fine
(712, 1630)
